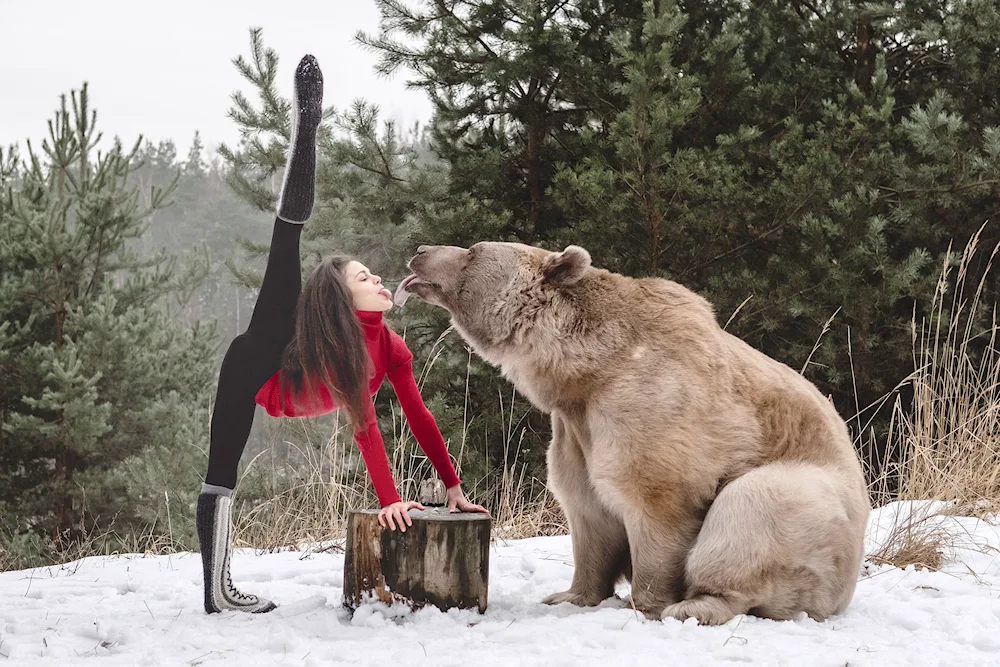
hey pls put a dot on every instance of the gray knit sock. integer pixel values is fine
(214, 535)
(298, 190)
(216, 489)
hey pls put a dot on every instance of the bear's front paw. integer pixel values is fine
(707, 610)
(579, 599)
(627, 602)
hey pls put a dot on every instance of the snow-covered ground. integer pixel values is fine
(135, 610)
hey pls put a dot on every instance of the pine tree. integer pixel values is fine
(99, 382)
(203, 221)
(513, 83)
(8, 165)
(195, 163)
(631, 203)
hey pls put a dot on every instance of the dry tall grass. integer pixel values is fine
(946, 439)
(36, 551)
(950, 433)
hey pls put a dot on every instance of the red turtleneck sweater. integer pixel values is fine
(390, 357)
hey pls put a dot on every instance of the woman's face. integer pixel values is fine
(366, 288)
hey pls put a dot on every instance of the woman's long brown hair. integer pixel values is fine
(328, 348)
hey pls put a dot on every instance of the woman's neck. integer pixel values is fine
(371, 321)
(369, 315)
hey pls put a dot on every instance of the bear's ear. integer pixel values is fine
(566, 267)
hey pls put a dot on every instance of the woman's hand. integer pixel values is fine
(398, 514)
(457, 502)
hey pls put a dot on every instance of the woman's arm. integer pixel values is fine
(372, 449)
(422, 422)
(428, 436)
(395, 512)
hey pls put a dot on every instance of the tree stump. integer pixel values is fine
(443, 559)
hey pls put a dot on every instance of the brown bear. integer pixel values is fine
(714, 478)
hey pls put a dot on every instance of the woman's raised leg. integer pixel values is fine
(255, 355)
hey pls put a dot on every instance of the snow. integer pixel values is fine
(136, 610)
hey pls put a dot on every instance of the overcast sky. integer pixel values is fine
(166, 71)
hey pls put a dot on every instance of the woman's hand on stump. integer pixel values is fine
(398, 514)
(457, 502)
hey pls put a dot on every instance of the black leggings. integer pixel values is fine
(254, 356)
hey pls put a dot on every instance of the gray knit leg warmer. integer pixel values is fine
(298, 190)
(214, 534)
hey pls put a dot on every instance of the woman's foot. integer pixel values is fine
(299, 186)
(214, 527)
(308, 100)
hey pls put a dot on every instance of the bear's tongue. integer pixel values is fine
(401, 295)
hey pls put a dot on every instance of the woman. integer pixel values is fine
(303, 356)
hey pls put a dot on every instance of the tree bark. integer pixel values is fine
(442, 559)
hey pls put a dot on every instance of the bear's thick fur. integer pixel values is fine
(716, 479)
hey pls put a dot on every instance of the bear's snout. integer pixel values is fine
(436, 259)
